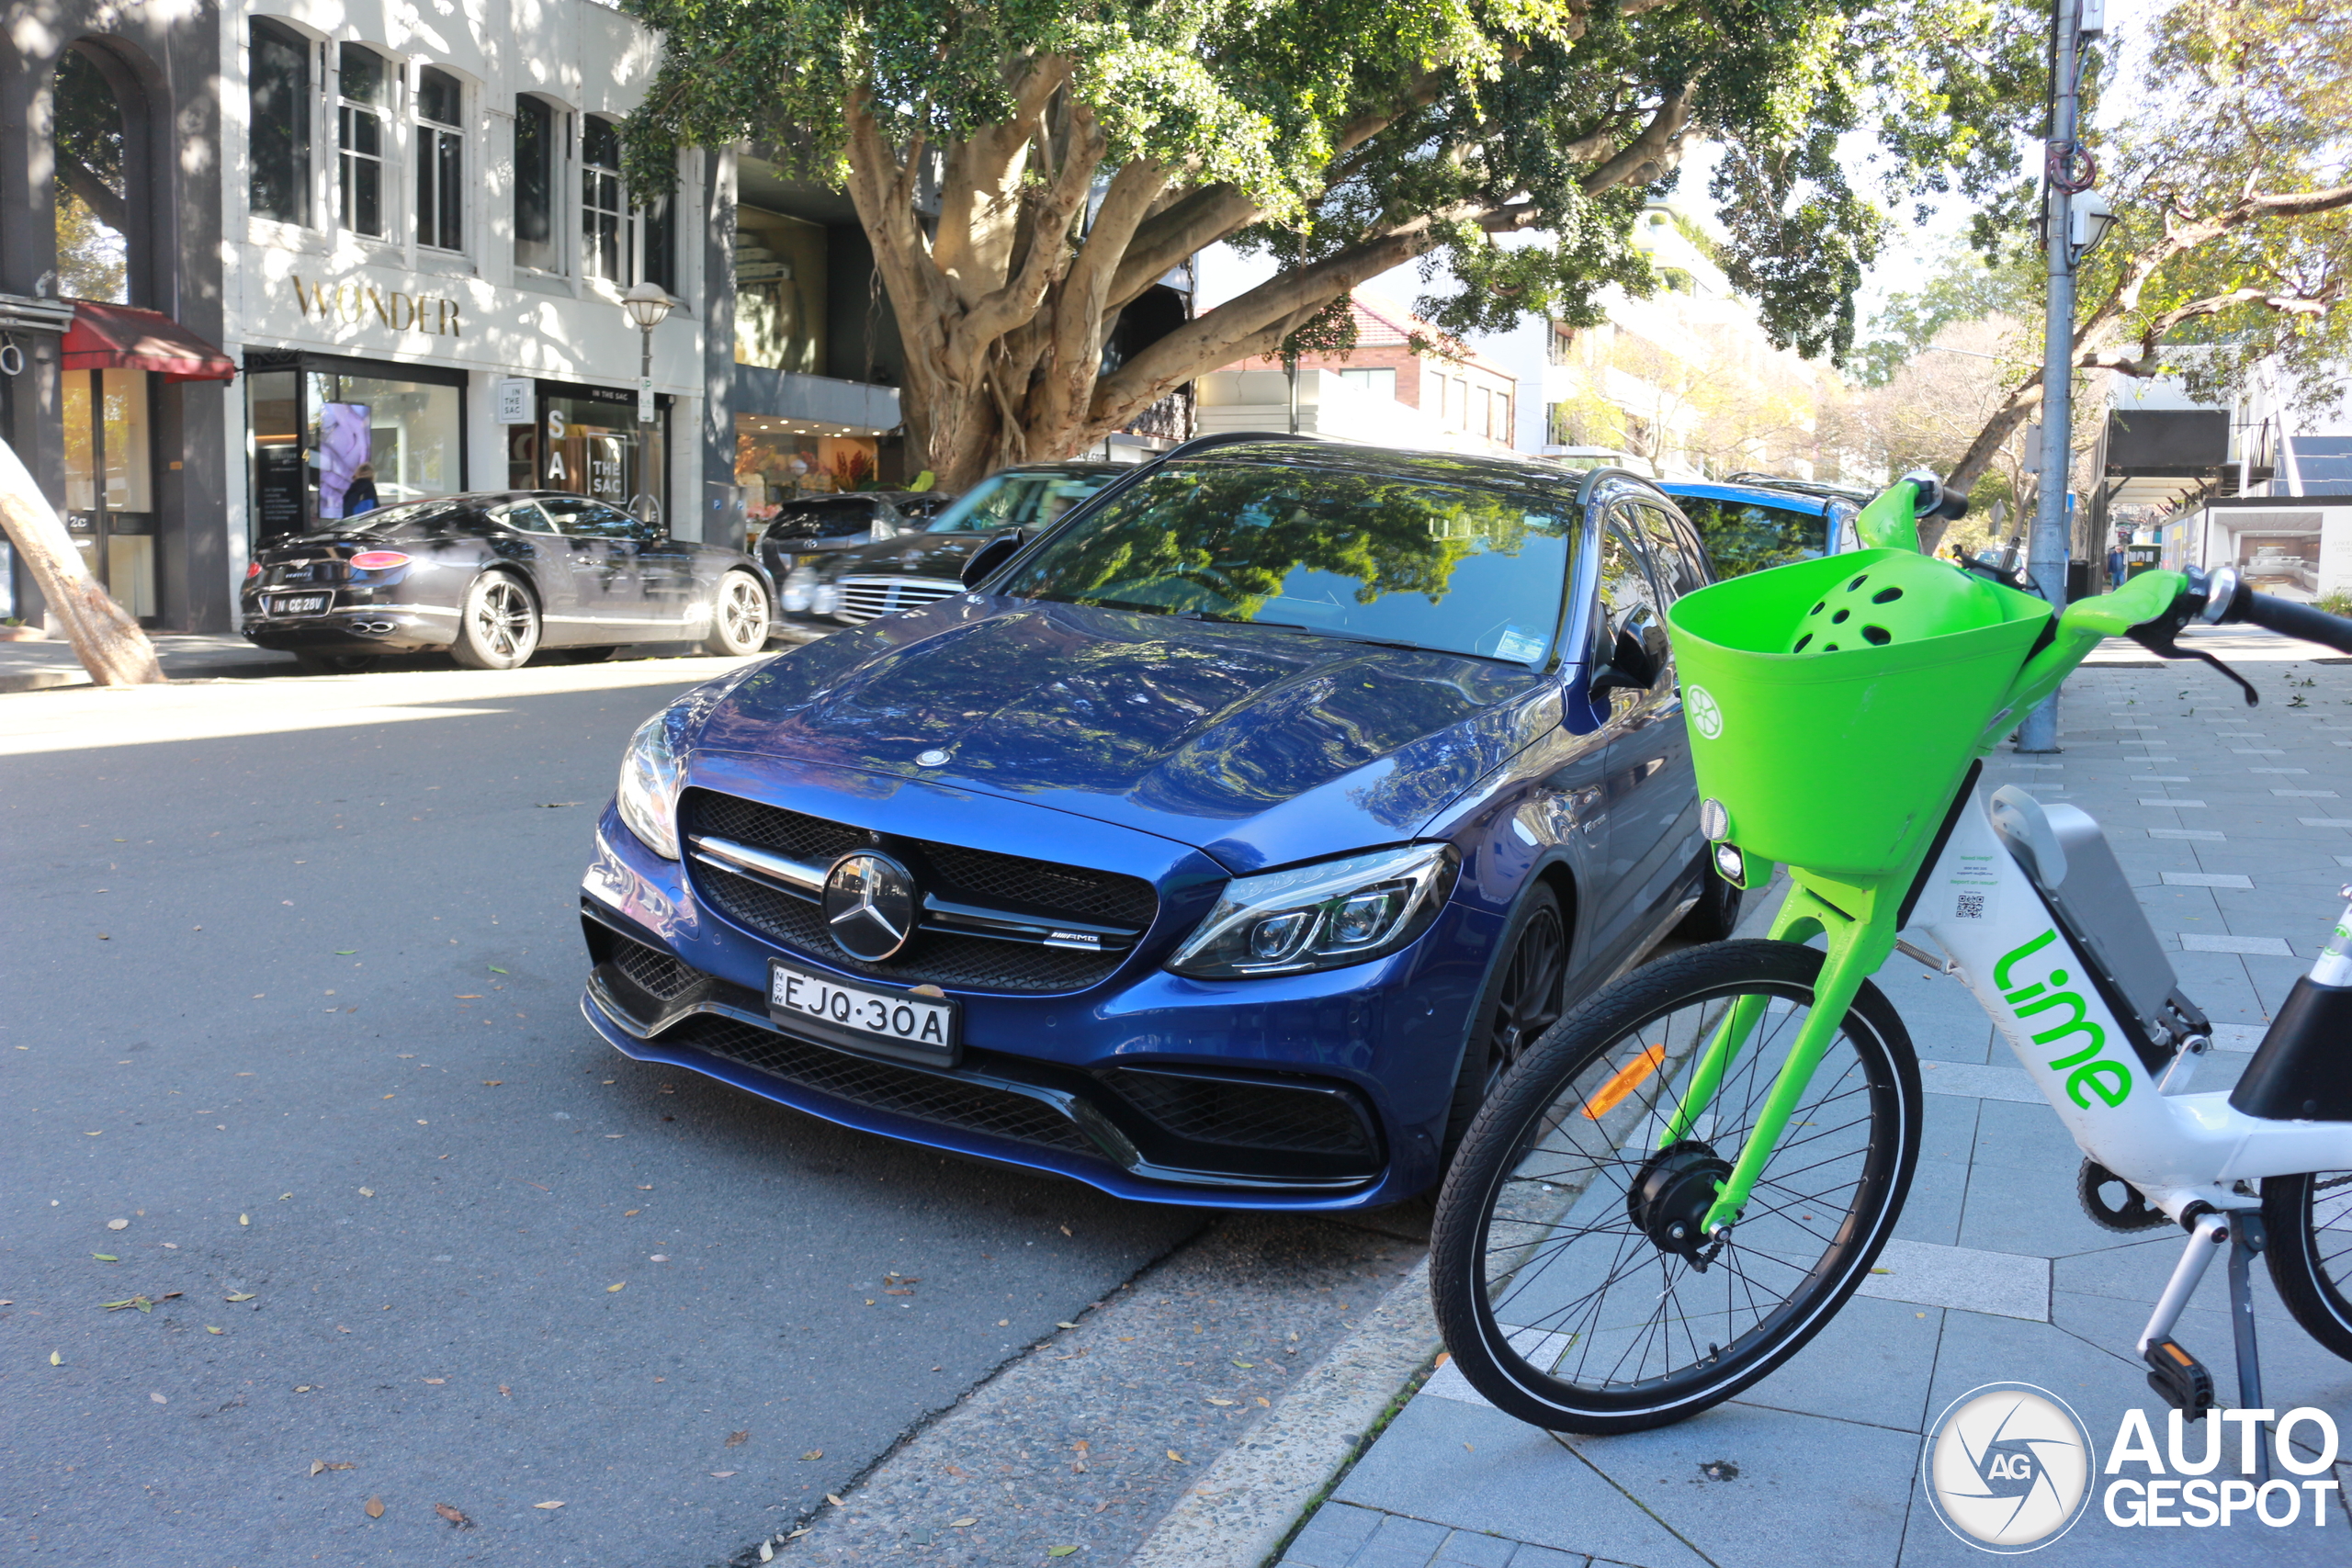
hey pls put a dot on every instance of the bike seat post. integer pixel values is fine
(2246, 1238)
(2210, 1231)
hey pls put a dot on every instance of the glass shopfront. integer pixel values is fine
(336, 438)
(109, 482)
(587, 440)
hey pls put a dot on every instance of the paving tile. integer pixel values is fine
(2006, 1283)
(1479, 1470)
(1979, 1082)
(1870, 1364)
(2196, 833)
(1807, 1490)
(1545, 1557)
(2239, 1036)
(2211, 941)
(2205, 879)
(1468, 1549)
(1332, 1536)
(1400, 1543)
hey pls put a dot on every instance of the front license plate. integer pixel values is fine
(299, 605)
(889, 1024)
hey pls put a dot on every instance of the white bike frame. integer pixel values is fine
(1982, 908)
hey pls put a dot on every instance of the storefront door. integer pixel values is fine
(109, 483)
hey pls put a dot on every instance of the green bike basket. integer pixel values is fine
(1833, 704)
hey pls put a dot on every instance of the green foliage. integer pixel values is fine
(1964, 289)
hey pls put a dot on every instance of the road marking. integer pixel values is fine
(155, 728)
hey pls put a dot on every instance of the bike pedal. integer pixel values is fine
(2179, 1378)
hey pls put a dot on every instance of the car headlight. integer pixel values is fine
(650, 771)
(1320, 916)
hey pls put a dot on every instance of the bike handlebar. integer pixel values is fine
(2288, 618)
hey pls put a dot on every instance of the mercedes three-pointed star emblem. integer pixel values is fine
(870, 904)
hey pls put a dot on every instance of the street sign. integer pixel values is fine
(645, 400)
(514, 399)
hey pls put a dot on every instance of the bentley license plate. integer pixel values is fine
(891, 1023)
(299, 605)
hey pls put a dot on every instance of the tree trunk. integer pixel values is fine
(106, 638)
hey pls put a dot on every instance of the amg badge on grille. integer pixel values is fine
(870, 904)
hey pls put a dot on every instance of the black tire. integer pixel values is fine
(740, 614)
(1716, 914)
(1521, 1002)
(498, 626)
(1526, 1215)
(317, 663)
(2301, 1213)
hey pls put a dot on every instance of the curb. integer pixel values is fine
(1260, 1490)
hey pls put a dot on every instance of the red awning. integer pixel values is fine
(118, 337)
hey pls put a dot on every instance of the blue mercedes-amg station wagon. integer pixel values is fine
(1221, 844)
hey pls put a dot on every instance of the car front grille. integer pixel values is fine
(1245, 1114)
(865, 598)
(937, 958)
(908, 1091)
(1043, 890)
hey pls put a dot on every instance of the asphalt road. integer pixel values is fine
(301, 1008)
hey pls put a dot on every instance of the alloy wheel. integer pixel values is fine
(741, 610)
(1529, 1001)
(502, 617)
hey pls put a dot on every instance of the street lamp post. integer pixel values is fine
(2051, 546)
(648, 305)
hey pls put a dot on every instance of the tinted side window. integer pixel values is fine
(1628, 607)
(524, 517)
(1743, 537)
(581, 518)
(1677, 573)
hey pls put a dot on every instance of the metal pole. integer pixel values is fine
(2051, 543)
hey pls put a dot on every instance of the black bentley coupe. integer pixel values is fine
(494, 576)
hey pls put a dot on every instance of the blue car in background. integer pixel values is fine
(1750, 521)
(1220, 844)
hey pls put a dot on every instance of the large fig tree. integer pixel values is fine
(1026, 170)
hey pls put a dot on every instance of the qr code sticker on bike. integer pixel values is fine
(1969, 907)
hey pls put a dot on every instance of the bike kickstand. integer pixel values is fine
(2246, 1238)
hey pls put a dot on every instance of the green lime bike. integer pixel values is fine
(1687, 1177)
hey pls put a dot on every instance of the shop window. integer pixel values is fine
(322, 426)
(360, 138)
(537, 141)
(1380, 383)
(604, 209)
(779, 292)
(593, 445)
(279, 84)
(440, 161)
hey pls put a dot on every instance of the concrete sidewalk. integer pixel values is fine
(2236, 825)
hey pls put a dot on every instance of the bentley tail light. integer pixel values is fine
(378, 561)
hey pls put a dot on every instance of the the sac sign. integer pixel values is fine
(515, 397)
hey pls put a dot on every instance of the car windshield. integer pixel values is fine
(1015, 499)
(1746, 535)
(1345, 553)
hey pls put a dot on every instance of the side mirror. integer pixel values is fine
(992, 555)
(1629, 667)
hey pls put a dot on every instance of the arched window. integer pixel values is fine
(93, 205)
(604, 225)
(364, 87)
(440, 161)
(278, 81)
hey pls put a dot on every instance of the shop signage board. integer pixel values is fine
(516, 399)
(353, 303)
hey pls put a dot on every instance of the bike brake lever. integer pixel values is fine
(2157, 637)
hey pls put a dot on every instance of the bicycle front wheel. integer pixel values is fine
(2309, 1219)
(1569, 1278)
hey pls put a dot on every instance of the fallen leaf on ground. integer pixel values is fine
(1059, 1550)
(375, 1507)
(117, 1225)
(469, 996)
(105, 1257)
(1065, 1326)
(157, 1398)
(1265, 1401)
(457, 1520)
(1065, 1230)
(1220, 1402)
(366, 1193)
(554, 1504)
(631, 1213)
(492, 1083)
(345, 951)
(836, 1501)
(961, 1523)
(245, 1219)
(1180, 1459)
(1245, 1366)
(436, 1380)
(813, 1453)
(210, 1329)
(55, 1360)
(504, 1390)
(239, 1296)
(723, 1474)
(610, 1288)
(737, 1439)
